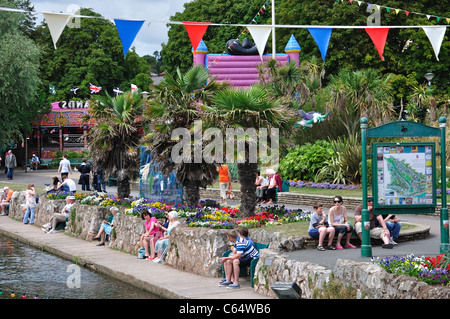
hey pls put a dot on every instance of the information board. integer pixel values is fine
(403, 175)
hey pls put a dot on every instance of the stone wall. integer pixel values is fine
(365, 280)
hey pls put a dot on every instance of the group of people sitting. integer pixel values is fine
(384, 227)
(155, 240)
(266, 187)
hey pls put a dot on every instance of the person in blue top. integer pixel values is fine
(243, 253)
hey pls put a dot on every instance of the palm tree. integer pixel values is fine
(246, 109)
(360, 93)
(114, 139)
(177, 102)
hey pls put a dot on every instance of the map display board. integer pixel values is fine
(404, 175)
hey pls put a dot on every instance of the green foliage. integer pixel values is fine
(19, 80)
(89, 54)
(304, 162)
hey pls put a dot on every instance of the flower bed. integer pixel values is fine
(432, 270)
(207, 214)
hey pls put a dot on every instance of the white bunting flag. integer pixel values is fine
(56, 23)
(260, 35)
(436, 36)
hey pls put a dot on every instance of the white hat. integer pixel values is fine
(71, 197)
(270, 171)
(5, 188)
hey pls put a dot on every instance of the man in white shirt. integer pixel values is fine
(64, 167)
(68, 185)
(59, 217)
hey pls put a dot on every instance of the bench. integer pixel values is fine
(43, 162)
(244, 271)
(112, 181)
(75, 161)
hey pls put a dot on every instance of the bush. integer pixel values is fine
(304, 162)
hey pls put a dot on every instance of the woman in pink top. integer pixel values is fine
(150, 231)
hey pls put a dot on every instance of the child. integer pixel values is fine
(319, 228)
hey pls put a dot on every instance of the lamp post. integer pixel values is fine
(429, 77)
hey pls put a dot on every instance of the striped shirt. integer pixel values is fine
(245, 248)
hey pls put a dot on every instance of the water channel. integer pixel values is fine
(27, 271)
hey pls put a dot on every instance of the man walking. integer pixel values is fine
(10, 163)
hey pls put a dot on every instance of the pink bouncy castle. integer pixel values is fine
(239, 66)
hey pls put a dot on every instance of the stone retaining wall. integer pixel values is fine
(198, 250)
(364, 280)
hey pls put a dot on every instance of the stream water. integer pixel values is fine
(29, 272)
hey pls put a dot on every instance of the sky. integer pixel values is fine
(150, 36)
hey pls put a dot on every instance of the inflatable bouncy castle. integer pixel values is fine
(239, 66)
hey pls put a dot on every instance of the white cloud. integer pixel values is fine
(149, 38)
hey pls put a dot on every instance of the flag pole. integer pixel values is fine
(273, 31)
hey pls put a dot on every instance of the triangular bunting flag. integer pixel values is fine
(128, 29)
(436, 36)
(260, 34)
(195, 31)
(378, 36)
(56, 23)
(322, 37)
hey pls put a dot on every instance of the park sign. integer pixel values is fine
(403, 174)
(404, 178)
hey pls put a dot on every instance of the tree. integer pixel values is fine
(91, 53)
(115, 138)
(176, 103)
(360, 93)
(249, 109)
(19, 81)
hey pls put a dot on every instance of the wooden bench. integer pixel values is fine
(244, 271)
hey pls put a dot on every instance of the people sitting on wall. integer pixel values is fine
(274, 182)
(261, 183)
(6, 199)
(106, 227)
(57, 218)
(53, 187)
(68, 185)
(162, 243)
(35, 162)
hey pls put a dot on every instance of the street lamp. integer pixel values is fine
(429, 77)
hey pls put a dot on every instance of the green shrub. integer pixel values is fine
(304, 162)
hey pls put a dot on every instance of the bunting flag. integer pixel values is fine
(322, 37)
(436, 36)
(128, 30)
(134, 88)
(51, 89)
(195, 31)
(260, 35)
(117, 91)
(95, 89)
(56, 23)
(73, 90)
(378, 36)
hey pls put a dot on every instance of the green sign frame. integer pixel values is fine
(402, 129)
(404, 178)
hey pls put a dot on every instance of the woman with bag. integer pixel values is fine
(85, 171)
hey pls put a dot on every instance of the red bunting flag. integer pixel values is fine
(378, 36)
(195, 31)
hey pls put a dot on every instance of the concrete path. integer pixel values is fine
(157, 278)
